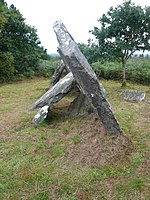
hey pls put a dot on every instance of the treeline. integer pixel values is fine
(20, 47)
(124, 30)
(137, 67)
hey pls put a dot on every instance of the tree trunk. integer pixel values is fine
(123, 73)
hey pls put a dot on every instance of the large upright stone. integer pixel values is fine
(85, 78)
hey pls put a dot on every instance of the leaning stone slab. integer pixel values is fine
(133, 95)
(85, 78)
(57, 92)
(57, 74)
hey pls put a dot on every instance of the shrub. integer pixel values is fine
(47, 67)
(6, 66)
(137, 70)
(107, 70)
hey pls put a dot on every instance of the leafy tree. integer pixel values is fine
(124, 30)
(6, 58)
(20, 40)
(6, 66)
(90, 51)
(2, 21)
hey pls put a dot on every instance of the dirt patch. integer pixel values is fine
(94, 146)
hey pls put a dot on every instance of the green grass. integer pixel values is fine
(65, 130)
(32, 166)
(76, 139)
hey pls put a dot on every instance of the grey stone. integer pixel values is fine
(80, 106)
(57, 92)
(146, 100)
(133, 95)
(85, 78)
(57, 74)
(41, 115)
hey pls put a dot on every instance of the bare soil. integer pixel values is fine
(96, 147)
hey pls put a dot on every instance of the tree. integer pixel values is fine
(20, 40)
(90, 51)
(6, 66)
(6, 58)
(124, 30)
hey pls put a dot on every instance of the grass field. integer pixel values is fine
(31, 164)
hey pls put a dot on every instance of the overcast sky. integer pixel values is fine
(79, 16)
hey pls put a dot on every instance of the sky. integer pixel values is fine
(79, 16)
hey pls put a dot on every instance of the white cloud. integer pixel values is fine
(79, 17)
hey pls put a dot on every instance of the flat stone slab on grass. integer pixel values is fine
(133, 95)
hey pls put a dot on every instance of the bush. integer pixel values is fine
(137, 70)
(107, 70)
(46, 68)
(6, 67)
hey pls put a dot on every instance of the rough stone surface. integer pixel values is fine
(146, 100)
(133, 95)
(57, 74)
(41, 115)
(85, 78)
(55, 93)
(80, 106)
